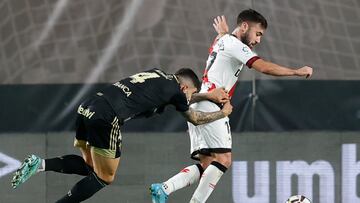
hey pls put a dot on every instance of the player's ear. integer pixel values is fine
(244, 26)
(183, 87)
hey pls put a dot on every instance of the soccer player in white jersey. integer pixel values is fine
(211, 143)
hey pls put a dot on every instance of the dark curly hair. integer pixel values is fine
(250, 15)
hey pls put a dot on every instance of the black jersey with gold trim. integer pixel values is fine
(144, 94)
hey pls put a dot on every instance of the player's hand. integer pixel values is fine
(304, 71)
(227, 108)
(220, 25)
(219, 95)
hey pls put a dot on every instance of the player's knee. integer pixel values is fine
(224, 159)
(228, 163)
(225, 162)
(107, 177)
(204, 165)
(205, 161)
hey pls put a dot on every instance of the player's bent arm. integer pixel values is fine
(270, 68)
(199, 118)
(196, 97)
(218, 95)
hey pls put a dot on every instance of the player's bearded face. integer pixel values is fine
(246, 38)
(252, 35)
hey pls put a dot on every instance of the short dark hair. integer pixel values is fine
(187, 73)
(251, 15)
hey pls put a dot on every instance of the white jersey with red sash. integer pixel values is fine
(227, 57)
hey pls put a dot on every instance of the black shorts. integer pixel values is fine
(98, 126)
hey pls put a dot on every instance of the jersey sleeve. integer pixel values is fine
(180, 102)
(243, 53)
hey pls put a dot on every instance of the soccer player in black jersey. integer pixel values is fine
(100, 117)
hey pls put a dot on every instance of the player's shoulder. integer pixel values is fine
(232, 40)
(161, 73)
(232, 43)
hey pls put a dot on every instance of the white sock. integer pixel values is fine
(42, 167)
(185, 177)
(208, 182)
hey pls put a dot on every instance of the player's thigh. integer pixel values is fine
(196, 140)
(81, 137)
(86, 154)
(104, 167)
(105, 142)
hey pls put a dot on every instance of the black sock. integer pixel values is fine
(201, 170)
(84, 189)
(69, 164)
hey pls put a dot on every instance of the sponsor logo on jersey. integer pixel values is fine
(124, 88)
(246, 49)
(85, 112)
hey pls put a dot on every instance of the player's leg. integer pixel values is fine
(71, 164)
(68, 164)
(85, 150)
(74, 164)
(224, 159)
(104, 174)
(104, 137)
(217, 136)
(205, 160)
(104, 167)
(211, 176)
(187, 176)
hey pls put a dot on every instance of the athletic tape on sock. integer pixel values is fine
(219, 166)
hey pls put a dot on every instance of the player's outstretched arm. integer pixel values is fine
(270, 68)
(199, 118)
(218, 95)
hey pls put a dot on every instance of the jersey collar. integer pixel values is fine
(177, 80)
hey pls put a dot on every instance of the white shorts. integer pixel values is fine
(214, 137)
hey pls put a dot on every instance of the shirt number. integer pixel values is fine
(227, 126)
(141, 77)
